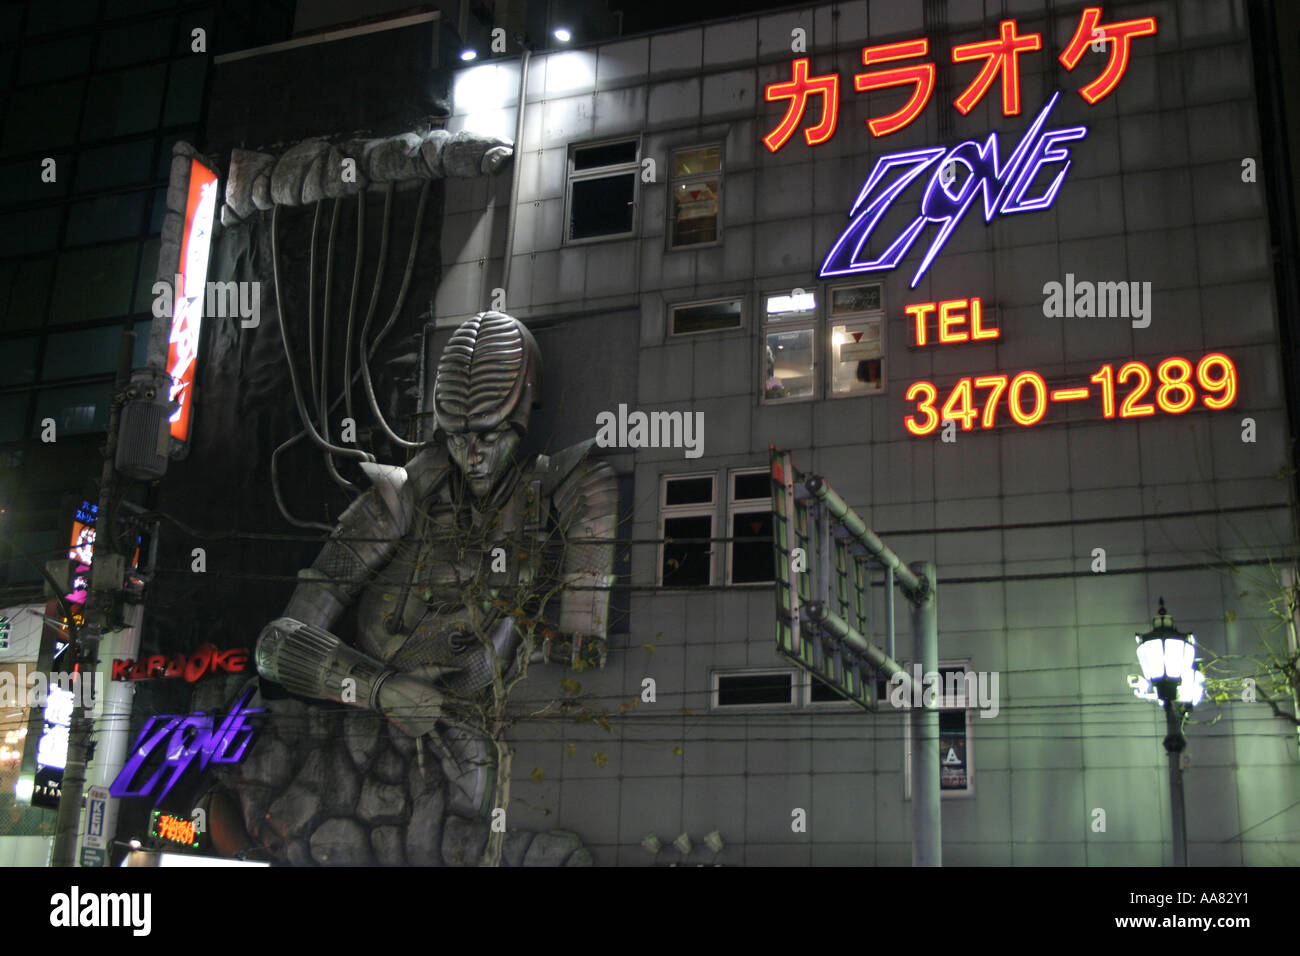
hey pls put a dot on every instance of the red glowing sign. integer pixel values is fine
(174, 829)
(206, 660)
(1029, 397)
(187, 307)
(1001, 58)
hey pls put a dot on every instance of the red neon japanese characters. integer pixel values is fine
(921, 75)
(951, 317)
(1118, 35)
(797, 91)
(1001, 56)
(1029, 398)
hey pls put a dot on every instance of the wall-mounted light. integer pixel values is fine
(468, 54)
(562, 34)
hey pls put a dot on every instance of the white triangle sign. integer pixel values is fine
(952, 756)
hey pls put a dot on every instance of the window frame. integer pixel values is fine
(880, 316)
(968, 708)
(767, 325)
(717, 673)
(673, 307)
(743, 506)
(667, 511)
(602, 172)
(674, 181)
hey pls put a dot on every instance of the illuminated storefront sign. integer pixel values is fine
(182, 741)
(187, 315)
(173, 829)
(1002, 185)
(206, 660)
(1001, 61)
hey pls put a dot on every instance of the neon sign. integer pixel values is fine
(1001, 61)
(187, 739)
(207, 659)
(1002, 186)
(187, 309)
(164, 826)
(1028, 395)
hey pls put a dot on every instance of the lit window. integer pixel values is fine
(689, 318)
(749, 504)
(696, 190)
(687, 509)
(602, 190)
(789, 359)
(857, 346)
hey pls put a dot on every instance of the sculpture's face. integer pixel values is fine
(483, 456)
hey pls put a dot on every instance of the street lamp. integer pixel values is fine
(1170, 677)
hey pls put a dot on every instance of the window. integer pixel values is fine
(688, 318)
(793, 336)
(753, 688)
(696, 188)
(857, 326)
(957, 701)
(601, 196)
(687, 509)
(789, 361)
(749, 505)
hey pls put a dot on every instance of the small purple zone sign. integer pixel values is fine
(183, 740)
(1003, 186)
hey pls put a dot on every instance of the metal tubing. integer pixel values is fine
(911, 585)
(837, 627)
(516, 159)
(927, 832)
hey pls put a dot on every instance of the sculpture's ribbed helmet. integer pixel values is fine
(488, 374)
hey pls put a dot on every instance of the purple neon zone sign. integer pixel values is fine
(1002, 186)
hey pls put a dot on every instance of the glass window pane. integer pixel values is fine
(150, 40)
(46, 16)
(82, 408)
(121, 103)
(94, 283)
(695, 212)
(689, 491)
(148, 276)
(785, 306)
(42, 118)
(114, 165)
(752, 561)
(33, 230)
(751, 486)
(20, 361)
(13, 417)
(27, 297)
(857, 358)
(609, 154)
(140, 356)
(704, 159)
(55, 60)
(77, 354)
(735, 690)
(185, 90)
(602, 207)
(859, 298)
(789, 372)
(22, 182)
(687, 564)
(109, 217)
(706, 318)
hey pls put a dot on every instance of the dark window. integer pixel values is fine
(32, 231)
(114, 165)
(707, 317)
(81, 408)
(185, 90)
(122, 103)
(689, 491)
(150, 40)
(108, 217)
(686, 564)
(822, 692)
(55, 60)
(602, 207)
(752, 485)
(738, 690)
(94, 283)
(42, 118)
(27, 294)
(752, 562)
(609, 154)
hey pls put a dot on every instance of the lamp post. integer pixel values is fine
(1170, 677)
